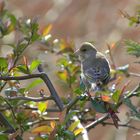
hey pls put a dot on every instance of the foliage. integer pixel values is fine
(21, 113)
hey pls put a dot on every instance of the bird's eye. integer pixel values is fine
(83, 50)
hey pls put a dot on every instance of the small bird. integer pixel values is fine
(95, 74)
(95, 67)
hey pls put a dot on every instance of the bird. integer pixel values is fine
(95, 74)
(95, 68)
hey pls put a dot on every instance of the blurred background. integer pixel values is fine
(86, 20)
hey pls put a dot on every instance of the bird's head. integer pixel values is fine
(86, 50)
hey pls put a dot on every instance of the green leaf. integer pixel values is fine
(4, 137)
(23, 69)
(99, 106)
(73, 125)
(133, 47)
(116, 96)
(34, 84)
(128, 102)
(13, 19)
(38, 138)
(68, 135)
(34, 65)
(3, 63)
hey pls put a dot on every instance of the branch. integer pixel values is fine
(7, 124)
(7, 78)
(46, 80)
(122, 125)
(102, 119)
(51, 88)
(37, 99)
(98, 121)
(134, 74)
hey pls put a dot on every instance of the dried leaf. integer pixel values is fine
(42, 129)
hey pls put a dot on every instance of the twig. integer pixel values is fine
(37, 99)
(96, 122)
(72, 103)
(7, 78)
(134, 74)
(46, 80)
(7, 124)
(10, 107)
(43, 120)
(122, 125)
(48, 110)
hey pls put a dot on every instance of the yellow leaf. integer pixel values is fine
(47, 30)
(53, 124)
(73, 126)
(62, 75)
(42, 129)
(42, 106)
(78, 131)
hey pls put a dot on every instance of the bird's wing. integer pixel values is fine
(98, 73)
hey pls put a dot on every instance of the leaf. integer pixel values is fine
(53, 124)
(47, 30)
(42, 129)
(68, 135)
(34, 84)
(4, 137)
(38, 138)
(78, 131)
(3, 63)
(34, 65)
(133, 48)
(42, 106)
(73, 125)
(99, 106)
(128, 102)
(23, 69)
(105, 98)
(116, 96)
(63, 75)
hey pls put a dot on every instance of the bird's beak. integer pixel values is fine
(77, 52)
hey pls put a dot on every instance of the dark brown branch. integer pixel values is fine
(51, 88)
(46, 80)
(7, 78)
